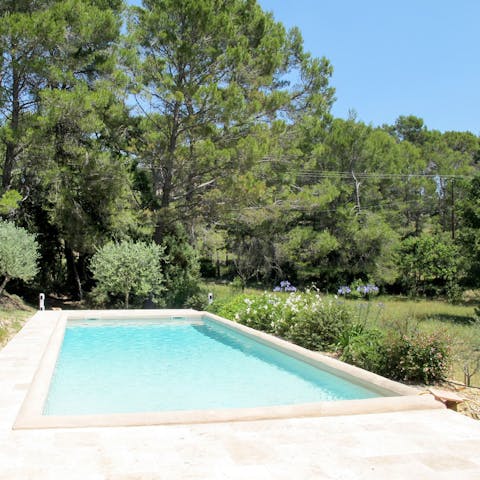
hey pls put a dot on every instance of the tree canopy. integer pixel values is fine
(204, 126)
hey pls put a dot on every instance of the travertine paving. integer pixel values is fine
(421, 444)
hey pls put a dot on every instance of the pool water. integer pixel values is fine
(181, 364)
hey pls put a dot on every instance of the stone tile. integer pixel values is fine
(413, 444)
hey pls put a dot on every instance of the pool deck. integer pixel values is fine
(433, 443)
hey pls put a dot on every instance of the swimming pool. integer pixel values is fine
(121, 366)
(140, 368)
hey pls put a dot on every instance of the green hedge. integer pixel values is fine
(415, 357)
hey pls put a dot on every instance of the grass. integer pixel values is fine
(455, 321)
(223, 292)
(13, 314)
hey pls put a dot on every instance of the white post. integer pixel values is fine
(41, 300)
(210, 298)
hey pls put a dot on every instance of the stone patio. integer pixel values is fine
(417, 444)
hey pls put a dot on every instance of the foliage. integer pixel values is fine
(469, 235)
(416, 357)
(128, 268)
(362, 347)
(261, 312)
(228, 306)
(429, 265)
(312, 321)
(181, 270)
(303, 318)
(228, 147)
(390, 314)
(210, 73)
(18, 254)
(9, 202)
(409, 356)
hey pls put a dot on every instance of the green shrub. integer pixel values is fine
(18, 254)
(429, 265)
(312, 321)
(363, 347)
(228, 307)
(416, 357)
(398, 352)
(303, 318)
(126, 269)
(181, 271)
(261, 312)
(197, 301)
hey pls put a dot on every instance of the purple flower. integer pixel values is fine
(286, 286)
(367, 289)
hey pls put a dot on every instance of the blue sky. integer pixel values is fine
(414, 57)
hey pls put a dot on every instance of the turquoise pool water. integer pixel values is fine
(121, 366)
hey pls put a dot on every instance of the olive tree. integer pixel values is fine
(18, 254)
(128, 268)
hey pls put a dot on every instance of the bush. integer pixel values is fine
(326, 324)
(262, 312)
(18, 254)
(416, 357)
(399, 352)
(363, 348)
(197, 301)
(228, 307)
(181, 270)
(312, 321)
(303, 318)
(126, 269)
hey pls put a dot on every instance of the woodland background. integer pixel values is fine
(204, 126)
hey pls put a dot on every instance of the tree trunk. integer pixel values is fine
(72, 273)
(4, 284)
(126, 299)
(357, 192)
(167, 177)
(11, 145)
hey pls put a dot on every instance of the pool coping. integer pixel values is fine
(401, 397)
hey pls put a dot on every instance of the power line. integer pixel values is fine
(367, 175)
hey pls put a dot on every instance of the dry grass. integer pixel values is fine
(13, 314)
(454, 321)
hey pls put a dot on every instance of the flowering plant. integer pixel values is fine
(303, 318)
(367, 290)
(357, 290)
(344, 290)
(285, 286)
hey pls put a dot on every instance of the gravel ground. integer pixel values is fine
(471, 406)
